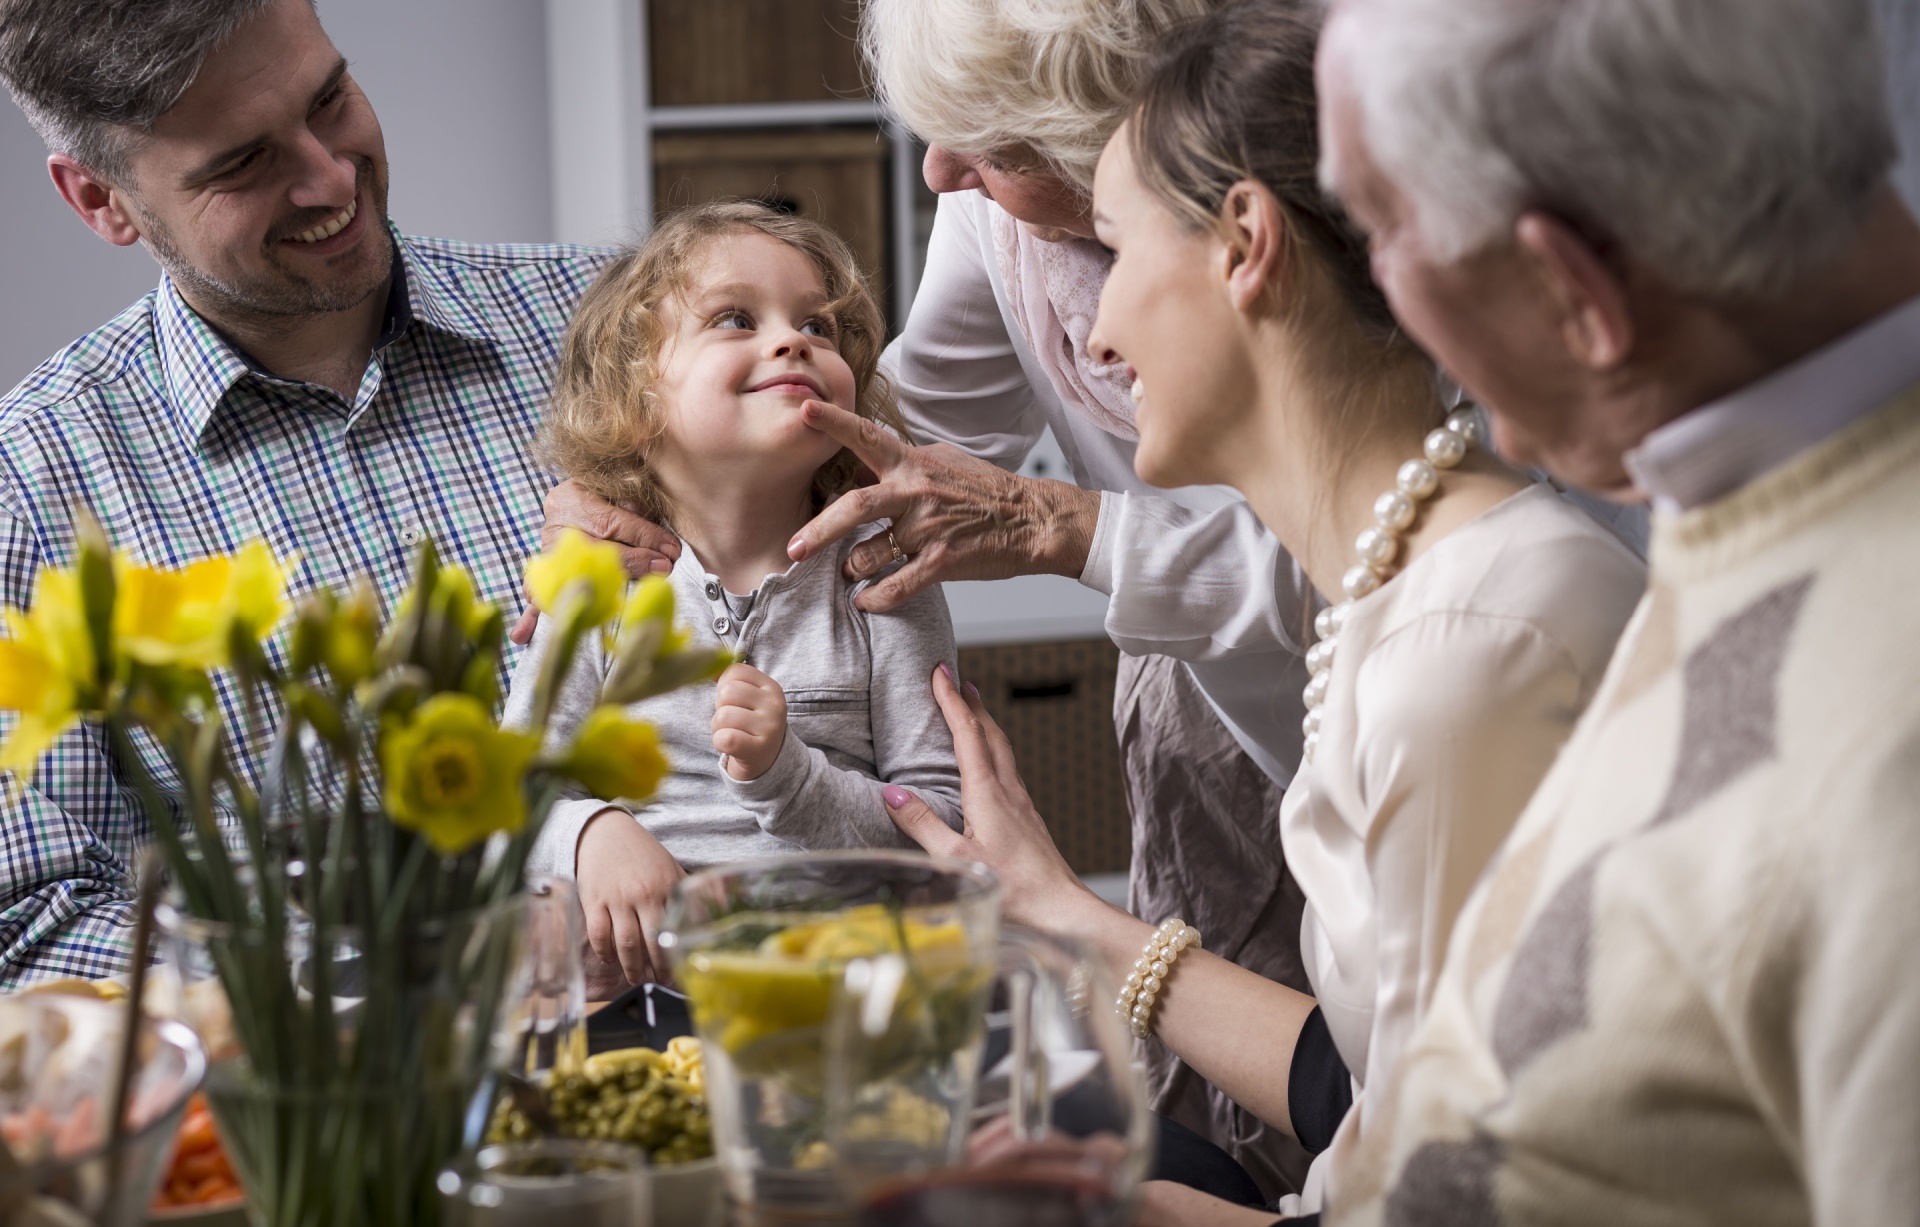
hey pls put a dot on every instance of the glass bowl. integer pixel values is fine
(58, 1057)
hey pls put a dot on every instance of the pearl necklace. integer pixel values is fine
(1379, 546)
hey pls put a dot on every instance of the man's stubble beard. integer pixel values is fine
(280, 295)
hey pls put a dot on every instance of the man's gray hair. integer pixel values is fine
(1731, 145)
(90, 72)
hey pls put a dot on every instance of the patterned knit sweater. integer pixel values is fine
(1689, 989)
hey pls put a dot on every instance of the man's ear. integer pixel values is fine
(1595, 319)
(1253, 235)
(100, 204)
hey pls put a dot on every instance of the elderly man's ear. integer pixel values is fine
(1253, 235)
(1585, 291)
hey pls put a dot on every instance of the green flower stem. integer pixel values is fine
(322, 894)
(395, 911)
(570, 617)
(160, 816)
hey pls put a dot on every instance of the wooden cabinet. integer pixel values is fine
(835, 175)
(1055, 701)
(767, 100)
(718, 52)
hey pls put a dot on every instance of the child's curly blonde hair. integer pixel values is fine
(606, 416)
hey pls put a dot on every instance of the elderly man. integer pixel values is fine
(1657, 238)
(302, 374)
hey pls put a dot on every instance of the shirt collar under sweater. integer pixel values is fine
(1722, 446)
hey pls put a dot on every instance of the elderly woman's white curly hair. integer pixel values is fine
(983, 77)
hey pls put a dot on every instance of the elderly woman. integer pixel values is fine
(1017, 99)
(1476, 610)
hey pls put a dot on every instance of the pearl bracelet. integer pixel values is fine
(1150, 972)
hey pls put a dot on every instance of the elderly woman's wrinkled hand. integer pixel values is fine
(954, 516)
(1003, 830)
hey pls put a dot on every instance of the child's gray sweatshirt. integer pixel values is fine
(860, 715)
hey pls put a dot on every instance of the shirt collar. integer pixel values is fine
(202, 367)
(1722, 446)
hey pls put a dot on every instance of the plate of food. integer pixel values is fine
(654, 1100)
(200, 1186)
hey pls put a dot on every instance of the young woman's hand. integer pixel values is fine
(623, 878)
(954, 516)
(749, 721)
(645, 547)
(1004, 831)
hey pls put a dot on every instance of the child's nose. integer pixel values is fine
(793, 345)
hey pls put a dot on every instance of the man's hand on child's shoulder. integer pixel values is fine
(749, 721)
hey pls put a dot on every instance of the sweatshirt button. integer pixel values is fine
(713, 592)
(722, 625)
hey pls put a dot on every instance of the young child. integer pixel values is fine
(678, 395)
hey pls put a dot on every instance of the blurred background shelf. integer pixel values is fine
(683, 101)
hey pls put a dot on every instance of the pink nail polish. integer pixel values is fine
(896, 796)
(947, 669)
(973, 690)
(796, 549)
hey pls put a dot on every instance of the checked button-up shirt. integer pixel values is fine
(184, 448)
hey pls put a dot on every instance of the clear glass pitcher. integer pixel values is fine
(761, 949)
(1054, 1132)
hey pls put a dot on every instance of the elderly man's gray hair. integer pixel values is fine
(1731, 145)
(88, 73)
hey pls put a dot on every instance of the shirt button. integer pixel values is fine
(412, 534)
(713, 592)
(722, 625)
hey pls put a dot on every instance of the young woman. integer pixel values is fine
(1473, 613)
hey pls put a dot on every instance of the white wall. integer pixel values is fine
(56, 279)
(461, 90)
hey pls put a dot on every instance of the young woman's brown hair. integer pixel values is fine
(606, 416)
(1231, 98)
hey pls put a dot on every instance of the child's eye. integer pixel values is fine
(820, 328)
(733, 319)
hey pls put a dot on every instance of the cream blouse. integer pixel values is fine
(1455, 684)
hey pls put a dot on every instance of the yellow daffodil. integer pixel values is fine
(650, 601)
(339, 634)
(594, 566)
(452, 776)
(188, 617)
(57, 627)
(47, 669)
(454, 600)
(615, 756)
(649, 655)
(31, 686)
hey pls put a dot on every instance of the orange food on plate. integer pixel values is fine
(200, 1174)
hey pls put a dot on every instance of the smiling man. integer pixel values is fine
(303, 374)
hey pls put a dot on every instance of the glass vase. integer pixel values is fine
(345, 1063)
